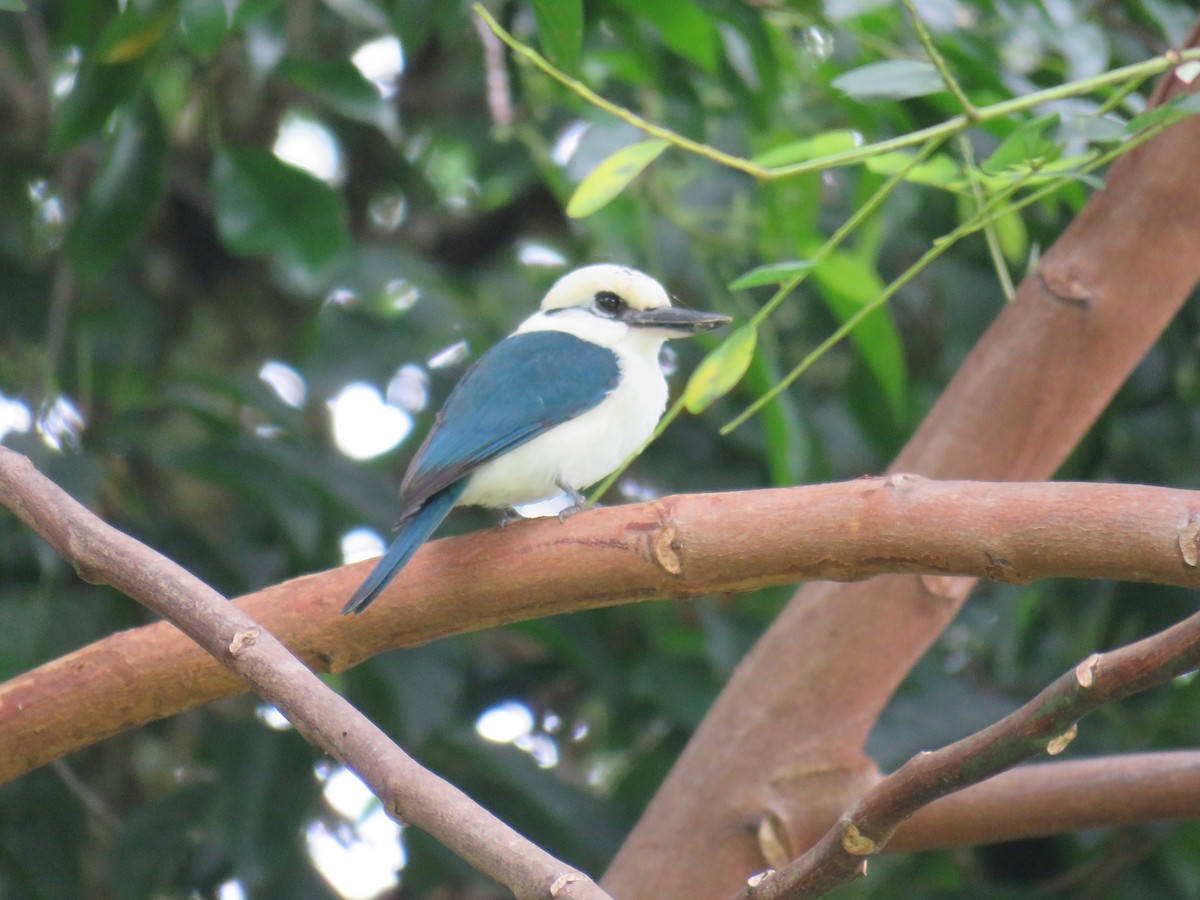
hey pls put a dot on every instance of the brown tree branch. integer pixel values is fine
(1048, 722)
(1052, 798)
(682, 546)
(103, 554)
(809, 692)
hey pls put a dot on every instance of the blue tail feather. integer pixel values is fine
(413, 532)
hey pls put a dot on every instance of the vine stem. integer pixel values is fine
(1135, 74)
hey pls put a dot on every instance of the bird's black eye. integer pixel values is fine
(609, 303)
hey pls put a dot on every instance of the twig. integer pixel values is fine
(1136, 72)
(102, 554)
(939, 63)
(1047, 723)
(499, 93)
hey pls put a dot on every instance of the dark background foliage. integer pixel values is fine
(155, 254)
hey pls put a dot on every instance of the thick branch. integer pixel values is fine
(680, 546)
(104, 555)
(1048, 722)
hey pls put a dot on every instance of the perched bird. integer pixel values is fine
(554, 407)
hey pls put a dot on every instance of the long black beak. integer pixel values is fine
(675, 318)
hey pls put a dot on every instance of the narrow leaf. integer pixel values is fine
(774, 273)
(897, 79)
(99, 90)
(721, 370)
(825, 144)
(848, 283)
(124, 194)
(611, 177)
(938, 171)
(1029, 146)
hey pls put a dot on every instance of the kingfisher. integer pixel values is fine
(551, 409)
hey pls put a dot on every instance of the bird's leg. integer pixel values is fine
(578, 502)
(508, 517)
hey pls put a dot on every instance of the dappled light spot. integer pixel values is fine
(381, 62)
(568, 141)
(270, 716)
(359, 544)
(286, 382)
(307, 144)
(450, 356)
(409, 388)
(60, 423)
(531, 253)
(512, 722)
(361, 857)
(401, 295)
(505, 722)
(388, 210)
(364, 425)
(15, 416)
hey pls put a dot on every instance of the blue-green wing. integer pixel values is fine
(522, 387)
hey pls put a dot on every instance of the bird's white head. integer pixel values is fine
(612, 305)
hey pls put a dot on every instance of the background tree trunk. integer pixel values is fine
(786, 735)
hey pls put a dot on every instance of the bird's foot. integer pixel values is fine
(510, 517)
(579, 502)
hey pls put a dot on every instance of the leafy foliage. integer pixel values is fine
(158, 248)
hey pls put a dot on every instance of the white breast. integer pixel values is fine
(584, 450)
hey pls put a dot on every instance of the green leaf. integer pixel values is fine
(205, 24)
(99, 90)
(825, 144)
(897, 79)
(721, 370)
(339, 83)
(684, 27)
(848, 283)
(1027, 147)
(773, 273)
(938, 171)
(124, 194)
(560, 26)
(134, 34)
(12, 6)
(265, 206)
(611, 177)
(1012, 236)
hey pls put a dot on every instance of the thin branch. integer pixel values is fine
(1136, 72)
(499, 92)
(682, 546)
(102, 554)
(1055, 797)
(939, 63)
(1048, 723)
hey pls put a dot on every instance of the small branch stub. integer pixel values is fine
(560, 884)
(1085, 672)
(857, 843)
(665, 552)
(1059, 744)
(242, 640)
(1189, 542)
